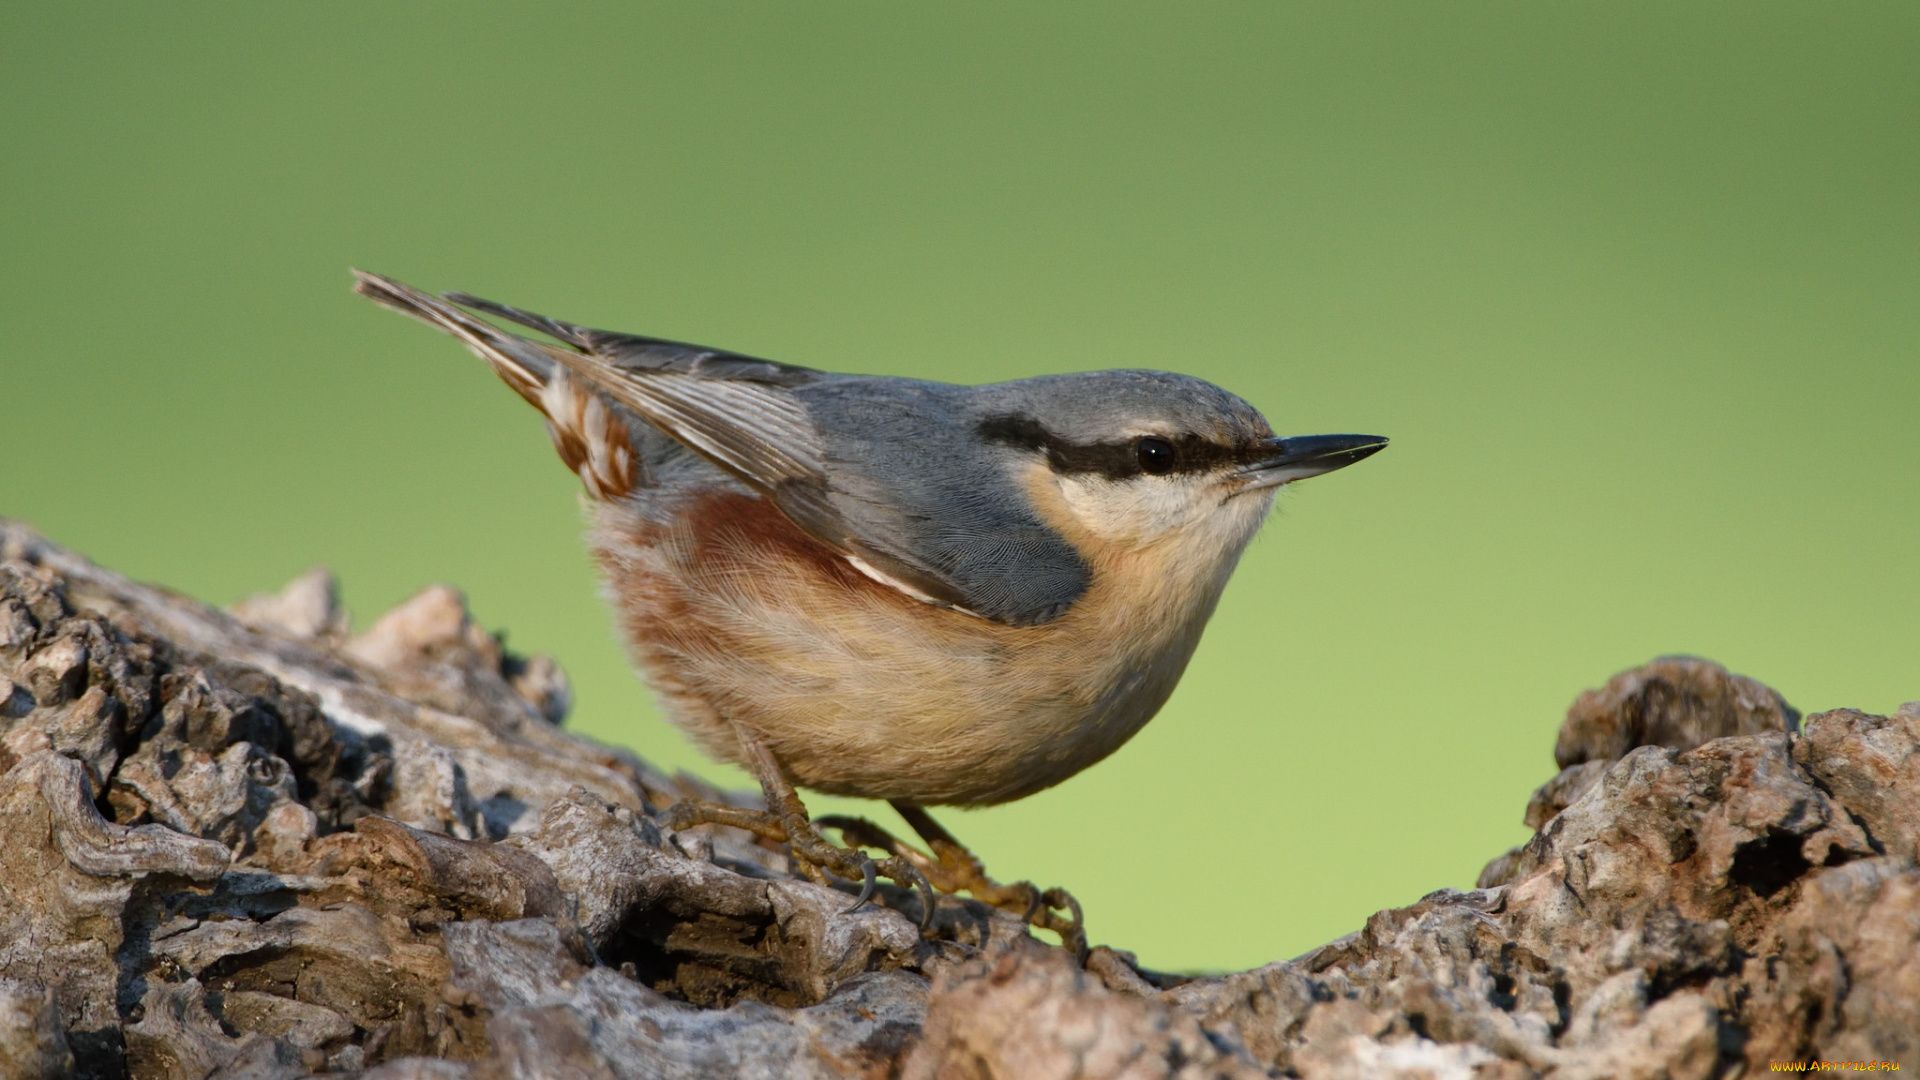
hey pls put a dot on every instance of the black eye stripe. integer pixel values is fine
(1115, 460)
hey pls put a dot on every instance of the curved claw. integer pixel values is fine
(871, 876)
(1062, 900)
(926, 889)
(1073, 932)
(1035, 901)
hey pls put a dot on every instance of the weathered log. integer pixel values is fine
(245, 844)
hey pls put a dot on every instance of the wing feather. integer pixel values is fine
(759, 433)
(752, 418)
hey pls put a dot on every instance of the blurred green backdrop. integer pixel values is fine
(1633, 287)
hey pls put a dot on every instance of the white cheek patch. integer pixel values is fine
(1138, 510)
(1245, 515)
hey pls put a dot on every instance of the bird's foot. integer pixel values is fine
(951, 868)
(812, 855)
(785, 819)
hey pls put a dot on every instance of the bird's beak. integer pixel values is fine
(1301, 456)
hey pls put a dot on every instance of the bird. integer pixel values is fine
(920, 592)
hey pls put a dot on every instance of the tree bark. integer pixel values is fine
(245, 844)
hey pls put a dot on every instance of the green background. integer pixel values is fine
(1632, 287)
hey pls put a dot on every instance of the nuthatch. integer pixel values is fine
(896, 589)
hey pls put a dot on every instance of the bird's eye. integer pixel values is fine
(1154, 454)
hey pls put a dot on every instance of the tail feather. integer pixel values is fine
(517, 361)
(586, 433)
(637, 353)
(578, 337)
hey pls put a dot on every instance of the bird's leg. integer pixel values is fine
(687, 813)
(954, 868)
(959, 870)
(804, 841)
(785, 818)
(860, 832)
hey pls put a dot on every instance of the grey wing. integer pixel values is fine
(874, 468)
(914, 487)
(728, 407)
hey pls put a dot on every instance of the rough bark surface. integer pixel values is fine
(245, 844)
